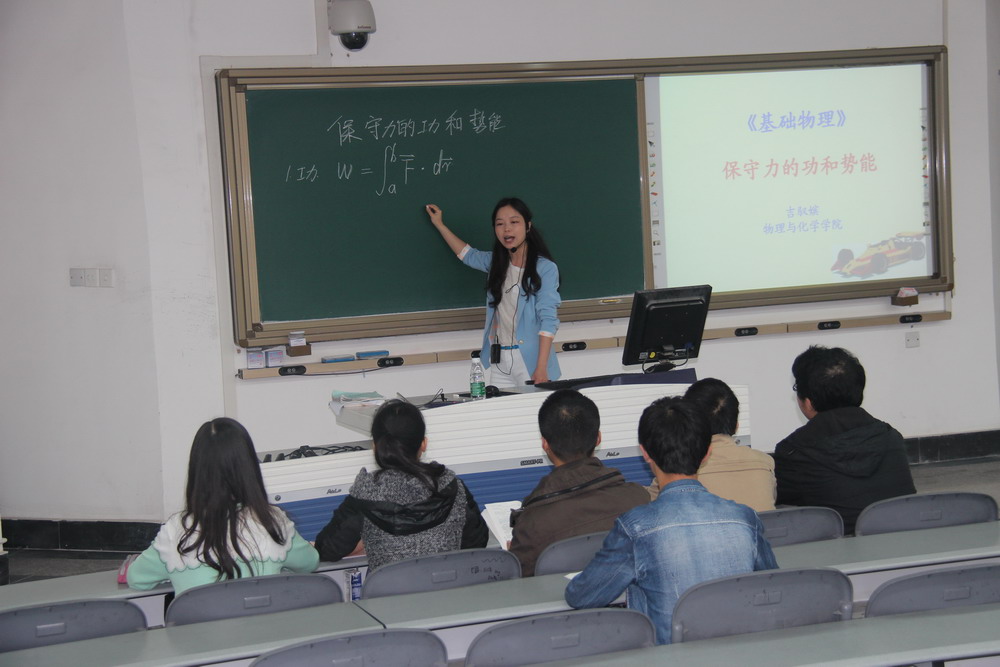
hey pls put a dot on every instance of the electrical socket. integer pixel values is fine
(91, 277)
(106, 277)
(912, 339)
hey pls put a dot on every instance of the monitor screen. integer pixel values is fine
(666, 324)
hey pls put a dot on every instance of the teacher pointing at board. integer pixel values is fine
(522, 295)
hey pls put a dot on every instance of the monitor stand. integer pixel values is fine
(661, 367)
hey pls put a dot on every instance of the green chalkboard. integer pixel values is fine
(339, 176)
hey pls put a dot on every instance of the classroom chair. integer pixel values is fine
(449, 569)
(937, 589)
(562, 636)
(569, 555)
(793, 525)
(252, 596)
(31, 627)
(925, 510)
(766, 600)
(395, 646)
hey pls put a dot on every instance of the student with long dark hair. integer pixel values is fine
(407, 507)
(227, 530)
(522, 294)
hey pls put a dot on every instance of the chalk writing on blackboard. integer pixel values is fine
(398, 163)
(380, 128)
(394, 165)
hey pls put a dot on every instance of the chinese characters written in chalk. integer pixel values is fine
(803, 120)
(303, 173)
(397, 164)
(378, 128)
(802, 220)
(753, 170)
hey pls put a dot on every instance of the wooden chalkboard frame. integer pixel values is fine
(232, 85)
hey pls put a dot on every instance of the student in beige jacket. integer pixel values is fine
(731, 470)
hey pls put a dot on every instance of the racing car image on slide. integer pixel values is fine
(878, 257)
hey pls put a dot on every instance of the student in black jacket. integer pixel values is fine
(843, 458)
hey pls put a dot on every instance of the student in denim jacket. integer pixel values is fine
(684, 537)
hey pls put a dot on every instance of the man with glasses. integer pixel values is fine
(842, 458)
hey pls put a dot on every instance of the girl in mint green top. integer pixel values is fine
(228, 529)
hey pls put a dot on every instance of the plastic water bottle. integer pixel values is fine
(477, 381)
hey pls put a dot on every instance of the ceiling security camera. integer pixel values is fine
(352, 20)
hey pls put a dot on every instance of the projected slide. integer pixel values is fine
(789, 178)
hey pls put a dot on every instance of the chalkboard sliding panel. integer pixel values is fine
(329, 200)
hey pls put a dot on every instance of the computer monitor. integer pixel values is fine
(666, 325)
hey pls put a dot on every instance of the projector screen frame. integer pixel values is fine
(934, 58)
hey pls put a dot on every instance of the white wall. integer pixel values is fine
(992, 76)
(110, 158)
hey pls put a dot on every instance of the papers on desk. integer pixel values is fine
(497, 517)
(339, 399)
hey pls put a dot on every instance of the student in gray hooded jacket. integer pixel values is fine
(407, 507)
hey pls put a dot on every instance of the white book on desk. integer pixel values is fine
(497, 517)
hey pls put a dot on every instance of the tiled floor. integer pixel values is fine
(981, 475)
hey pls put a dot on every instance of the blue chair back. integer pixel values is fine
(569, 555)
(395, 646)
(937, 589)
(252, 596)
(925, 510)
(449, 569)
(760, 601)
(565, 636)
(793, 525)
(42, 625)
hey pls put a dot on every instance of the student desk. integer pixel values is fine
(104, 585)
(870, 560)
(94, 585)
(457, 615)
(235, 640)
(903, 639)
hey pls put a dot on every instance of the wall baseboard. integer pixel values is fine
(133, 536)
(953, 447)
(124, 536)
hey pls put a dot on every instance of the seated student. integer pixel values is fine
(731, 471)
(843, 458)
(228, 529)
(580, 495)
(407, 508)
(684, 537)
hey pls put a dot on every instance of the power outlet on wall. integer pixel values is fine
(912, 339)
(87, 277)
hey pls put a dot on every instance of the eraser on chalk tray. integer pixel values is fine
(371, 354)
(337, 358)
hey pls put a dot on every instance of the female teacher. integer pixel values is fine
(522, 295)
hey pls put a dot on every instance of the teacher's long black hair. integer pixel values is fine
(530, 281)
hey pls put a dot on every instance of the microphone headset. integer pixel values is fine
(518, 246)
